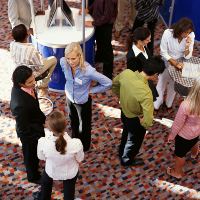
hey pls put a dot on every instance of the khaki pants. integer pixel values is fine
(49, 63)
(121, 12)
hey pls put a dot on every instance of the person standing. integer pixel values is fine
(148, 11)
(79, 75)
(138, 53)
(120, 16)
(29, 119)
(104, 13)
(136, 101)
(186, 129)
(62, 155)
(19, 12)
(177, 42)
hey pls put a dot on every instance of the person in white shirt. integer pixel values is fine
(62, 155)
(19, 12)
(177, 42)
(24, 53)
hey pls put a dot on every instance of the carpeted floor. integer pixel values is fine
(101, 175)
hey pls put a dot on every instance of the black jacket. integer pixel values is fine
(29, 118)
(136, 63)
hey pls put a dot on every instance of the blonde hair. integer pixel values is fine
(75, 47)
(194, 97)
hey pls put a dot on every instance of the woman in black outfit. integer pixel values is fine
(138, 53)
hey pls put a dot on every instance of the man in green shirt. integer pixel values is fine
(136, 101)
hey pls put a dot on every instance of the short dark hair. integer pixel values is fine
(140, 33)
(182, 25)
(19, 33)
(154, 65)
(20, 75)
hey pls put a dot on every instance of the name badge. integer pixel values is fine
(78, 81)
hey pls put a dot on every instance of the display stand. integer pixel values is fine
(54, 39)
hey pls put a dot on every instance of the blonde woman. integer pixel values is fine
(186, 129)
(79, 75)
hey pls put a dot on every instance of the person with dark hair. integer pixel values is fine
(148, 12)
(138, 53)
(136, 101)
(62, 155)
(29, 119)
(177, 42)
(24, 53)
(104, 13)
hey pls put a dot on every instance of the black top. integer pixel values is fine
(29, 118)
(136, 63)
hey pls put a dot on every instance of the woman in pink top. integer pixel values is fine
(186, 129)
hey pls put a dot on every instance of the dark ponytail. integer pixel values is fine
(61, 144)
(140, 33)
(57, 123)
(129, 41)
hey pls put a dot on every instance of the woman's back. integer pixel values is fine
(61, 167)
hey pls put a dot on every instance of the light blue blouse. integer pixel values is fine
(77, 88)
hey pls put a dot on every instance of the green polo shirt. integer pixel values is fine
(135, 96)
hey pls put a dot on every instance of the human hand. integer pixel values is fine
(141, 118)
(88, 23)
(179, 65)
(170, 140)
(188, 41)
(90, 92)
(86, 11)
(40, 12)
(30, 31)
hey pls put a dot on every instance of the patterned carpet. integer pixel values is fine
(101, 175)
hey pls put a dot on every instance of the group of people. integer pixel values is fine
(139, 98)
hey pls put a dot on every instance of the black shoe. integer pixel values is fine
(35, 181)
(35, 195)
(136, 161)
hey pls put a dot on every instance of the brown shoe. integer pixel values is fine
(117, 34)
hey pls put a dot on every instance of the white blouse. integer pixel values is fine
(171, 48)
(60, 167)
(137, 51)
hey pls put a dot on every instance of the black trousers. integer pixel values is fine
(80, 116)
(151, 26)
(47, 183)
(31, 161)
(132, 138)
(103, 35)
